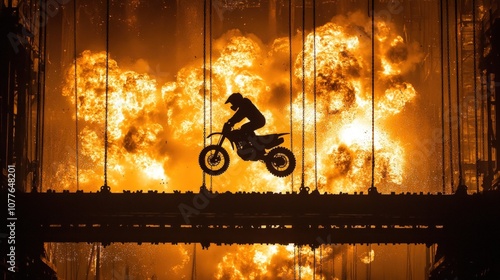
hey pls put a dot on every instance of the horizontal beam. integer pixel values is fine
(219, 236)
(245, 218)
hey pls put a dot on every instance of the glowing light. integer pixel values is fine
(368, 257)
(153, 128)
(133, 129)
(388, 69)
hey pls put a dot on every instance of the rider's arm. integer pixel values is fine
(237, 117)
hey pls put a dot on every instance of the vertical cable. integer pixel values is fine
(107, 97)
(482, 122)
(409, 272)
(290, 77)
(321, 260)
(333, 260)
(76, 96)
(210, 58)
(460, 178)
(294, 262)
(193, 268)
(43, 97)
(490, 136)
(41, 93)
(373, 93)
(210, 62)
(98, 262)
(450, 123)
(314, 91)
(303, 87)
(354, 262)
(204, 79)
(38, 96)
(299, 261)
(314, 257)
(443, 175)
(475, 91)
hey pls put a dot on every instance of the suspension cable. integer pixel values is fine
(409, 270)
(333, 259)
(484, 153)
(210, 62)
(460, 178)
(373, 93)
(204, 80)
(76, 97)
(107, 97)
(290, 78)
(321, 260)
(210, 54)
(294, 262)
(314, 91)
(482, 115)
(299, 261)
(475, 91)
(37, 176)
(193, 267)
(450, 123)
(314, 260)
(303, 88)
(43, 24)
(354, 262)
(443, 157)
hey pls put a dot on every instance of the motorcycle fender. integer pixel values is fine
(275, 142)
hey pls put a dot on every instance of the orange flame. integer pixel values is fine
(155, 132)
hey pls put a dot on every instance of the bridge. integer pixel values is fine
(268, 218)
(465, 227)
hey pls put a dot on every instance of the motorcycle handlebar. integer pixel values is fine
(227, 126)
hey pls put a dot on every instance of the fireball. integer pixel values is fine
(155, 132)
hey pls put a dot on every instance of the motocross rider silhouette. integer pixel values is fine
(214, 159)
(245, 109)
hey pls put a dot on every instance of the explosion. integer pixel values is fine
(269, 262)
(156, 132)
(133, 122)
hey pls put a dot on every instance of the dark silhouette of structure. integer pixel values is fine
(465, 227)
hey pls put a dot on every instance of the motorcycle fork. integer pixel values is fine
(221, 140)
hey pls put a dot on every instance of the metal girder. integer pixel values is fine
(246, 218)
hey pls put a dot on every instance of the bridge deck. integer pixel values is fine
(247, 218)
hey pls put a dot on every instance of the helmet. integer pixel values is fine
(235, 100)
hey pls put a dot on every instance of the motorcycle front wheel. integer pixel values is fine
(214, 160)
(280, 161)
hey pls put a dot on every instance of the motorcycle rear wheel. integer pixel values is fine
(214, 160)
(280, 161)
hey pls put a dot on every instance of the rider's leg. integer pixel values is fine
(250, 127)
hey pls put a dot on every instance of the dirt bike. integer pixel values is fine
(280, 161)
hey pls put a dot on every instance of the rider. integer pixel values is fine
(245, 109)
